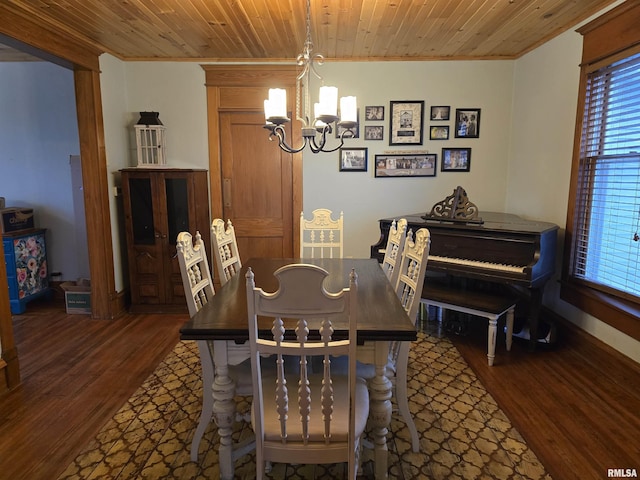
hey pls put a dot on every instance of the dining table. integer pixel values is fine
(223, 323)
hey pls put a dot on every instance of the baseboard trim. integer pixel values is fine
(10, 370)
(578, 334)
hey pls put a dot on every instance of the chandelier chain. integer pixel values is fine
(308, 61)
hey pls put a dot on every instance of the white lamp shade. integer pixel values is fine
(316, 113)
(328, 101)
(348, 109)
(268, 111)
(276, 105)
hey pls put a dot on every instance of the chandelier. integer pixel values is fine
(314, 132)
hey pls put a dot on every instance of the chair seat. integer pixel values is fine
(340, 416)
(366, 371)
(241, 374)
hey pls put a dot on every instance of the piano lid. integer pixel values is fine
(491, 222)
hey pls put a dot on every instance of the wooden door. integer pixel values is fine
(256, 187)
(253, 182)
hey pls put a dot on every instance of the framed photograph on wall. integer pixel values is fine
(440, 132)
(373, 112)
(440, 112)
(456, 160)
(406, 165)
(373, 132)
(353, 159)
(406, 122)
(467, 122)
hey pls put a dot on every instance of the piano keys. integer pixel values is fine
(504, 249)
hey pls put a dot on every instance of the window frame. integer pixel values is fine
(610, 37)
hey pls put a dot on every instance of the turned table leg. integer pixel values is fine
(380, 409)
(224, 409)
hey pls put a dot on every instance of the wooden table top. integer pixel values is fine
(380, 314)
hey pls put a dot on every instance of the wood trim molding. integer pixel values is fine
(104, 300)
(48, 44)
(249, 75)
(11, 370)
(217, 77)
(215, 166)
(44, 40)
(83, 58)
(617, 313)
(3, 377)
(610, 33)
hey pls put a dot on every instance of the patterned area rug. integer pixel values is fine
(464, 435)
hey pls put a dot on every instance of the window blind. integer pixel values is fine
(606, 242)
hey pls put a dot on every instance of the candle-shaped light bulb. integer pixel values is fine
(278, 102)
(348, 109)
(267, 110)
(328, 101)
(316, 114)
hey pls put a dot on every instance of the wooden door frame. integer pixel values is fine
(218, 77)
(28, 33)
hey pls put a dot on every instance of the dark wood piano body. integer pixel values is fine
(504, 249)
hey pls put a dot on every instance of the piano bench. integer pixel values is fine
(481, 304)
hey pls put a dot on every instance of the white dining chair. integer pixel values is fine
(409, 289)
(225, 249)
(411, 272)
(322, 236)
(305, 418)
(198, 290)
(393, 250)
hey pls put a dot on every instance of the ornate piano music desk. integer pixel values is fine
(504, 249)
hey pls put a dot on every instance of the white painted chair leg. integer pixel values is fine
(206, 361)
(401, 394)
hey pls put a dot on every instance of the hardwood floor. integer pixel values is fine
(76, 373)
(577, 405)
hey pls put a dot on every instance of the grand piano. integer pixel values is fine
(501, 249)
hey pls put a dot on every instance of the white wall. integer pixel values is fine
(117, 133)
(38, 134)
(177, 91)
(179, 94)
(364, 198)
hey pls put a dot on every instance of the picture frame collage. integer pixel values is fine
(407, 127)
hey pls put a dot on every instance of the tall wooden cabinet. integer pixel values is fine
(159, 203)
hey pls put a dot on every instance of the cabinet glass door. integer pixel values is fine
(177, 207)
(142, 211)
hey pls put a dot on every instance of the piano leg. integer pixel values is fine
(535, 306)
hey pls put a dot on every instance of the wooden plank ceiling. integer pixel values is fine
(241, 30)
